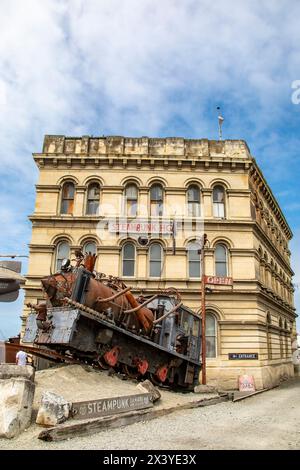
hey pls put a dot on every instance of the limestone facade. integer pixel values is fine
(89, 187)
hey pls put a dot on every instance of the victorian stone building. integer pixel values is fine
(142, 205)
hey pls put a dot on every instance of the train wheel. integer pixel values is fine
(130, 371)
(154, 379)
(102, 364)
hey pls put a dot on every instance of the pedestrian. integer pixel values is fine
(21, 358)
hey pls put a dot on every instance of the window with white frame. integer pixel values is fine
(67, 198)
(128, 267)
(193, 196)
(90, 247)
(194, 259)
(62, 252)
(131, 197)
(221, 262)
(219, 202)
(155, 254)
(156, 200)
(211, 335)
(93, 199)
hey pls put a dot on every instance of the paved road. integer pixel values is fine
(270, 420)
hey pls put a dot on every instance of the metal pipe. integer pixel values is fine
(168, 313)
(203, 310)
(142, 305)
(113, 297)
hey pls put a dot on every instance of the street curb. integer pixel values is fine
(69, 430)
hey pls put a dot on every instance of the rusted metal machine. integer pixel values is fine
(95, 318)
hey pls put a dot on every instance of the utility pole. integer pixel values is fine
(203, 307)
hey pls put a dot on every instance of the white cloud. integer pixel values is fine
(68, 64)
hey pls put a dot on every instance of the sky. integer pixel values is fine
(156, 68)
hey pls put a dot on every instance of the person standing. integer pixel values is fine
(21, 358)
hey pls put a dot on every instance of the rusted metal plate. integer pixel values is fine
(30, 329)
(111, 406)
(64, 324)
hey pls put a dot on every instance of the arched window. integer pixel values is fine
(62, 252)
(90, 247)
(221, 260)
(193, 195)
(93, 199)
(286, 339)
(269, 341)
(67, 199)
(280, 338)
(155, 252)
(219, 202)
(156, 200)
(194, 259)
(128, 259)
(131, 195)
(211, 335)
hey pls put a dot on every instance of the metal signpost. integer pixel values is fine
(203, 309)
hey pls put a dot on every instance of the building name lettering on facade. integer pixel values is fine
(141, 227)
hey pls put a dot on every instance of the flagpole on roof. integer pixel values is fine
(220, 120)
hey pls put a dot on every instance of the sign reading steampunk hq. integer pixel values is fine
(142, 204)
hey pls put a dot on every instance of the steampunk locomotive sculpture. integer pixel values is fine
(95, 318)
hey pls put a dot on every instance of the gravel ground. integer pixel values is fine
(270, 420)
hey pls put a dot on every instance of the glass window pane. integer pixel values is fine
(218, 194)
(194, 209)
(221, 269)
(211, 335)
(129, 251)
(155, 268)
(210, 346)
(68, 190)
(220, 253)
(92, 207)
(67, 201)
(63, 251)
(90, 247)
(155, 251)
(65, 204)
(131, 208)
(194, 269)
(219, 210)
(193, 194)
(93, 199)
(94, 191)
(156, 193)
(128, 259)
(128, 267)
(131, 191)
(155, 260)
(210, 325)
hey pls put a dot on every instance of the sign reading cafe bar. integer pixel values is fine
(144, 227)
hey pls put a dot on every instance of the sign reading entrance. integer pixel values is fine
(219, 280)
(242, 356)
(111, 406)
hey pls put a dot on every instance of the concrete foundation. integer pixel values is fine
(265, 376)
